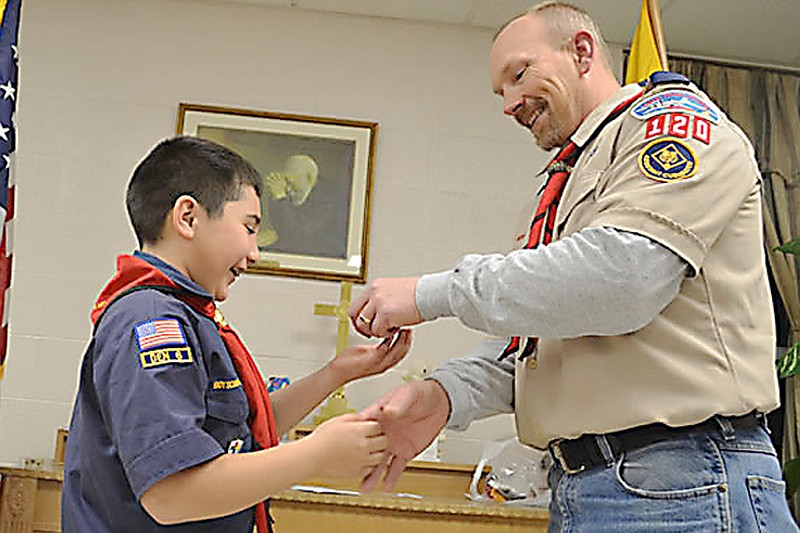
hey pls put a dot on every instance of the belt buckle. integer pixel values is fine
(558, 455)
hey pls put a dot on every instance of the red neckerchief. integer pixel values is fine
(543, 223)
(136, 274)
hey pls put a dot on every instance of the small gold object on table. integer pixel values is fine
(337, 402)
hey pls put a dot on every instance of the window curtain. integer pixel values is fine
(765, 104)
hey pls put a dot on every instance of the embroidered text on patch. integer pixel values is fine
(226, 384)
(166, 356)
(675, 102)
(667, 160)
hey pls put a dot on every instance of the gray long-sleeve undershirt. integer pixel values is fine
(599, 281)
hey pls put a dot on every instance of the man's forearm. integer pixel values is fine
(477, 385)
(600, 281)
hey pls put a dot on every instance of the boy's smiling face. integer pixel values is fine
(225, 245)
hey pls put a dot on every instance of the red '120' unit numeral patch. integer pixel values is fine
(701, 130)
(679, 126)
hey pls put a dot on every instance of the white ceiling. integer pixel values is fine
(755, 31)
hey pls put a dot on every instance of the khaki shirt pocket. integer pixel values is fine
(581, 186)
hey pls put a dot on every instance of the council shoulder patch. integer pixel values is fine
(162, 342)
(675, 101)
(667, 160)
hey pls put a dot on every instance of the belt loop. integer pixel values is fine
(726, 428)
(605, 449)
(558, 457)
(764, 421)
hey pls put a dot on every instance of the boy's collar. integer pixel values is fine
(173, 273)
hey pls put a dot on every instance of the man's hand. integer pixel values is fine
(411, 415)
(386, 305)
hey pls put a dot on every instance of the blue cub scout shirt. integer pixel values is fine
(158, 394)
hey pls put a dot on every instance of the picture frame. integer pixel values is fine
(317, 188)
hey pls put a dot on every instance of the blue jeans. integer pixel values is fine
(719, 481)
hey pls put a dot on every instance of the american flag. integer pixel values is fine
(161, 332)
(9, 12)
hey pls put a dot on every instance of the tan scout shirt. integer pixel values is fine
(681, 173)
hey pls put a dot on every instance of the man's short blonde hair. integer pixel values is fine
(564, 21)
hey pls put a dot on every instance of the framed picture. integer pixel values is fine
(315, 204)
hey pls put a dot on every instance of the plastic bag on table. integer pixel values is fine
(518, 474)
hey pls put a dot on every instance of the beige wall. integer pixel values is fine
(100, 85)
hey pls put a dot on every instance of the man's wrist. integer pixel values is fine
(442, 393)
(431, 295)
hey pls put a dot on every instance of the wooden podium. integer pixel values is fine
(30, 500)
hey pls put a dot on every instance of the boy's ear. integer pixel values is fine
(183, 216)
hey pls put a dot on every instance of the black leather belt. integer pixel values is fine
(589, 451)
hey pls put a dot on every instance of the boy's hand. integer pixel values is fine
(348, 446)
(367, 360)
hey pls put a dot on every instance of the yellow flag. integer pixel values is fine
(648, 53)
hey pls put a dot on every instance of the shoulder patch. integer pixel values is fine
(675, 101)
(679, 125)
(667, 160)
(161, 342)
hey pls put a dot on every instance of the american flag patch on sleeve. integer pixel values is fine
(161, 342)
(158, 333)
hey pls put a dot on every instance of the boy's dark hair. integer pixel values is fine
(210, 173)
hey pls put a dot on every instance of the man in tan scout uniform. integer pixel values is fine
(636, 316)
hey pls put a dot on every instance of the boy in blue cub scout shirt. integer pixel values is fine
(172, 427)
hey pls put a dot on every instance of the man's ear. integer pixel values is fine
(184, 216)
(583, 50)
